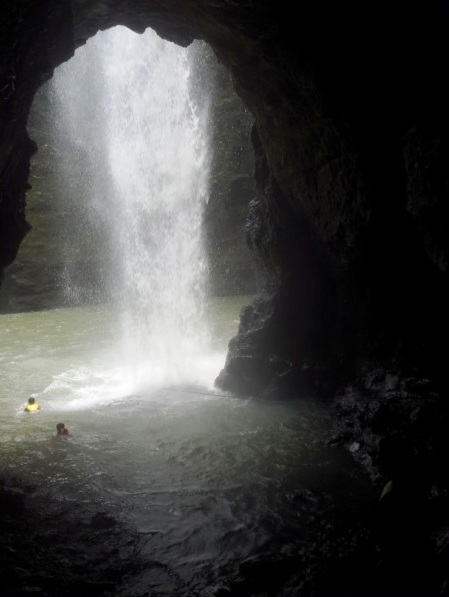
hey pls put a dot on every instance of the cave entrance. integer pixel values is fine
(139, 190)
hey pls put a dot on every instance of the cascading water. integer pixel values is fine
(127, 101)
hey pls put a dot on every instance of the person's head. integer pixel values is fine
(60, 427)
(31, 400)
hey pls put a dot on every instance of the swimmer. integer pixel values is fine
(32, 406)
(62, 431)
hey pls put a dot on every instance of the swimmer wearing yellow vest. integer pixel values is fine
(32, 406)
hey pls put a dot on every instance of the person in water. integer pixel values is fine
(62, 431)
(32, 406)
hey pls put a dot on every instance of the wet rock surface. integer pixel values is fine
(231, 268)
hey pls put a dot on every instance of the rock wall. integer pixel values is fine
(62, 258)
(231, 267)
(334, 125)
(35, 39)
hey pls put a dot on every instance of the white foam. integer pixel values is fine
(84, 388)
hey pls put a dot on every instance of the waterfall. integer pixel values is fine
(128, 116)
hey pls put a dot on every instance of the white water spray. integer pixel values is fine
(127, 100)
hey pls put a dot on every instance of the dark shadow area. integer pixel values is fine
(350, 543)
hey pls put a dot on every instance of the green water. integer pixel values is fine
(50, 354)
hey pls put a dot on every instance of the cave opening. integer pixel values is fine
(176, 461)
(138, 196)
(188, 483)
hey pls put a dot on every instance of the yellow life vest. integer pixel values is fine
(32, 407)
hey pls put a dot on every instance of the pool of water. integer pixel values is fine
(199, 480)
